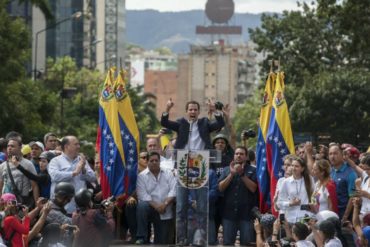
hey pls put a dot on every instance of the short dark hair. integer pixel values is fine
(327, 227)
(14, 134)
(251, 155)
(47, 135)
(244, 148)
(300, 230)
(192, 102)
(3, 143)
(16, 139)
(153, 153)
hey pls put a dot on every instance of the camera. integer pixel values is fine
(248, 134)
(272, 243)
(105, 203)
(284, 243)
(70, 229)
(305, 207)
(219, 105)
(256, 213)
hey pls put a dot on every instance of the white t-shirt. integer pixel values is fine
(365, 208)
(321, 196)
(334, 242)
(304, 243)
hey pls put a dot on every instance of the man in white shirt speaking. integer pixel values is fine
(156, 191)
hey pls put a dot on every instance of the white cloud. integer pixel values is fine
(241, 6)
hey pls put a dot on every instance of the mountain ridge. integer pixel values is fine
(180, 34)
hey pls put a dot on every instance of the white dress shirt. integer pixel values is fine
(195, 142)
(157, 189)
(60, 170)
(290, 189)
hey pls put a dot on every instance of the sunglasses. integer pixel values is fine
(143, 157)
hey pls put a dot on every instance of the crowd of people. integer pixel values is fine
(51, 194)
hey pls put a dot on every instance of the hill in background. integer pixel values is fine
(151, 29)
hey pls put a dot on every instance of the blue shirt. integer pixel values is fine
(344, 179)
(239, 200)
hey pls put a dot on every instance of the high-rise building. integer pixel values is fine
(111, 28)
(91, 32)
(218, 72)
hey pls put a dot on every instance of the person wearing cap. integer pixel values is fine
(26, 151)
(70, 166)
(221, 143)
(36, 149)
(22, 185)
(42, 178)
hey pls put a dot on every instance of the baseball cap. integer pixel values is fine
(2, 157)
(26, 149)
(7, 197)
(39, 144)
(47, 155)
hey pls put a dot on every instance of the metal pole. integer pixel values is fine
(75, 15)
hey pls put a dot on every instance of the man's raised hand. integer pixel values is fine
(169, 105)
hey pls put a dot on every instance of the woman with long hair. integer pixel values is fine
(324, 196)
(296, 191)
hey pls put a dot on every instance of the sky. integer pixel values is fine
(241, 6)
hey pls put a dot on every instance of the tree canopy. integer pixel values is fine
(325, 56)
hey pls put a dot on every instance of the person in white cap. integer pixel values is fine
(36, 149)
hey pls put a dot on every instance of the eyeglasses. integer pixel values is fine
(143, 157)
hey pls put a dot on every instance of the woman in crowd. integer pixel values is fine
(16, 223)
(296, 191)
(43, 178)
(287, 167)
(324, 196)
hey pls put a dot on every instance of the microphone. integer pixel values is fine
(191, 125)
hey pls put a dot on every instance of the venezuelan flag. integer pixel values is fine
(279, 136)
(118, 137)
(263, 176)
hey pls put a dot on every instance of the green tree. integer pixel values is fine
(81, 113)
(325, 56)
(246, 116)
(335, 103)
(25, 105)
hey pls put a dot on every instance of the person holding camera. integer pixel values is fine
(296, 192)
(16, 223)
(238, 183)
(96, 225)
(193, 132)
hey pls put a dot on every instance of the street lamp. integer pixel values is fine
(74, 16)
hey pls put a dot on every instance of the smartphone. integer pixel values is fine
(272, 243)
(305, 207)
(44, 200)
(282, 218)
(70, 228)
